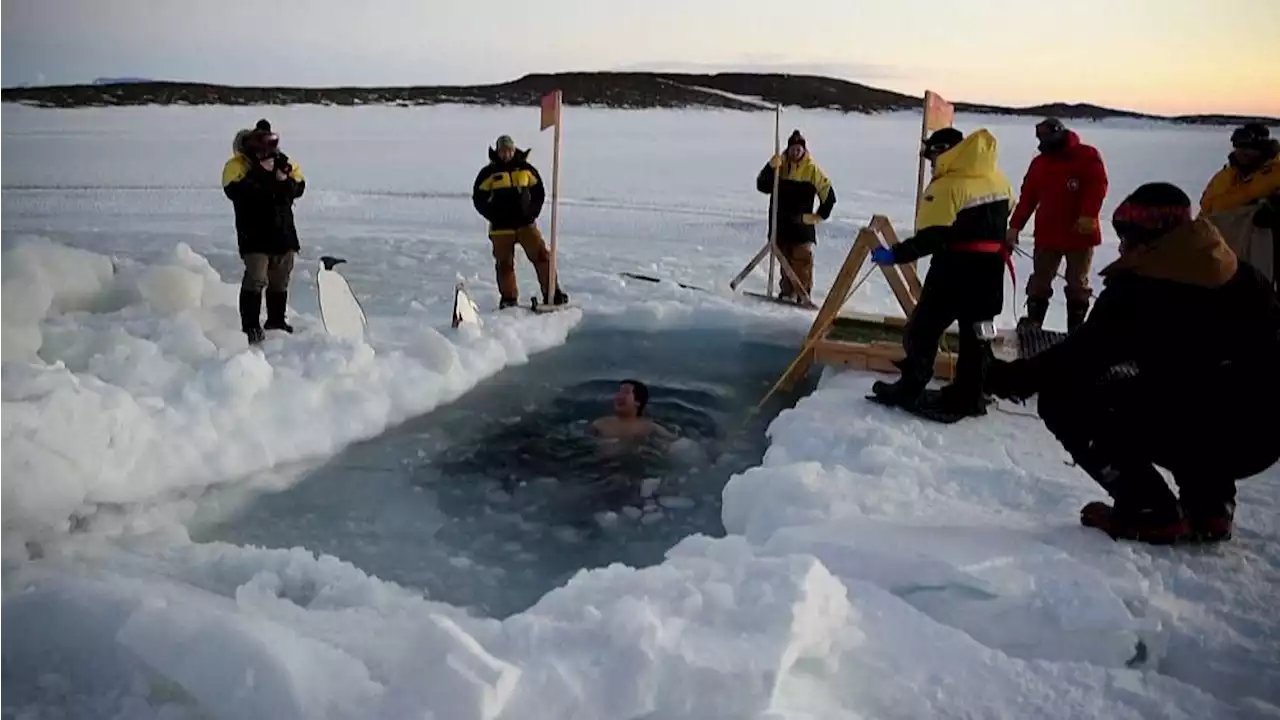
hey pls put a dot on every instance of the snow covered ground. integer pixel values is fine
(876, 567)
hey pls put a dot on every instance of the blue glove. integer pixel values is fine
(882, 256)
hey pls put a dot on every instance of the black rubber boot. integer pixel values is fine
(504, 303)
(560, 297)
(1037, 308)
(906, 392)
(277, 302)
(1076, 313)
(250, 316)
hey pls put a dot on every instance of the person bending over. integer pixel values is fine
(1203, 331)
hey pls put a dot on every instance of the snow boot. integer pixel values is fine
(277, 302)
(1076, 312)
(1037, 308)
(1211, 525)
(957, 401)
(1149, 525)
(504, 303)
(250, 316)
(902, 392)
(560, 298)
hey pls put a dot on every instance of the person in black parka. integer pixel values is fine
(1203, 331)
(262, 184)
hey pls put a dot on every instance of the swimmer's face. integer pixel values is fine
(624, 401)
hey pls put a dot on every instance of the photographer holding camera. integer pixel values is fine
(262, 184)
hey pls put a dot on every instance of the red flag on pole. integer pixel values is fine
(938, 113)
(550, 110)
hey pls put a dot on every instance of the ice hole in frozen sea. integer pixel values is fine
(493, 500)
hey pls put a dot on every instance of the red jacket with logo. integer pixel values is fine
(1060, 188)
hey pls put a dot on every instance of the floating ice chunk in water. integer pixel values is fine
(607, 518)
(461, 562)
(675, 502)
(547, 481)
(687, 451)
(632, 511)
(651, 517)
(497, 496)
(649, 486)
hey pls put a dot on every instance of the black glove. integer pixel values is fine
(1008, 380)
(1268, 213)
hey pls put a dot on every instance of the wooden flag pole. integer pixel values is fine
(773, 198)
(920, 162)
(552, 279)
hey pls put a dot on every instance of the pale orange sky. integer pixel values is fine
(1160, 56)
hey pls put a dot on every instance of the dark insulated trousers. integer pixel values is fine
(266, 272)
(934, 312)
(1205, 432)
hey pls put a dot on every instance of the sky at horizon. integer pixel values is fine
(1157, 56)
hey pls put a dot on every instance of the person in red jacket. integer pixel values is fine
(1064, 187)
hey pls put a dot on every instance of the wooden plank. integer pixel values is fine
(877, 357)
(899, 287)
(780, 301)
(831, 305)
(881, 224)
(764, 252)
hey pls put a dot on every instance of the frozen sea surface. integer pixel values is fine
(866, 566)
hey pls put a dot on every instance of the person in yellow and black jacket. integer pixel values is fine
(262, 184)
(962, 224)
(508, 192)
(1243, 198)
(800, 183)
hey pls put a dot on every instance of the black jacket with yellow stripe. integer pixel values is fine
(800, 183)
(962, 222)
(508, 194)
(263, 203)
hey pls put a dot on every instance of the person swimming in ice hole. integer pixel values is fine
(628, 421)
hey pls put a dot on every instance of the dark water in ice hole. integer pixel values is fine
(500, 496)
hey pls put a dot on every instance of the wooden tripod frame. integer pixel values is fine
(866, 353)
(786, 268)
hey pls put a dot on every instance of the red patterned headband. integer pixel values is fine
(1152, 216)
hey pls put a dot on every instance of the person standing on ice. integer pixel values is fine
(262, 184)
(1243, 198)
(800, 182)
(1202, 405)
(962, 223)
(1064, 186)
(508, 192)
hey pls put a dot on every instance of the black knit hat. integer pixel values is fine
(941, 141)
(1251, 135)
(796, 139)
(1150, 212)
(263, 126)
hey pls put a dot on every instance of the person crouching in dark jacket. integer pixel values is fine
(1203, 332)
(262, 184)
(508, 192)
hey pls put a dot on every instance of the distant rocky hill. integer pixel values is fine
(630, 90)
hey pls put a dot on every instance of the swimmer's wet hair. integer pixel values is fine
(641, 392)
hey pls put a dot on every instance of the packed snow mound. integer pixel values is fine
(125, 383)
(720, 630)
